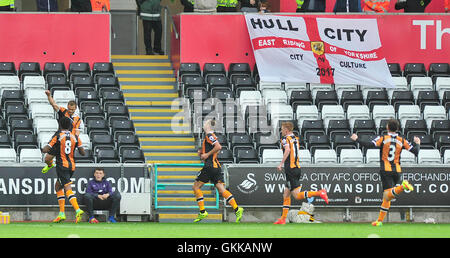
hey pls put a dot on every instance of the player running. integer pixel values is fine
(62, 146)
(212, 171)
(391, 146)
(291, 163)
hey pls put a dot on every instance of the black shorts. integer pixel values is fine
(64, 175)
(390, 179)
(292, 177)
(206, 174)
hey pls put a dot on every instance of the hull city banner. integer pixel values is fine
(318, 50)
(264, 186)
(28, 186)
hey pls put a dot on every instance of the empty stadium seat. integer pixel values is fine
(340, 88)
(420, 84)
(30, 155)
(431, 113)
(214, 68)
(351, 98)
(225, 156)
(402, 98)
(7, 68)
(406, 112)
(414, 69)
(381, 112)
(306, 112)
(429, 156)
(79, 68)
(133, 156)
(29, 69)
(439, 127)
(447, 157)
(355, 112)
(372, 156)
(351, 156)
(246, 156)
(34, 82)
(106, 156)
(407, 157)
(9, 83)
(35, 95)
(263, 86)
(8, 155)
(395, 70)
(54, 68)
(328, 97)
(45, 125)
(62, 97)
(272, 156)
(289, 87)
(325, 157)
(304, 157)
(332, 112)
(425, 98)
(438, 70)
(415, 127)
(186, 68)
(442, 84)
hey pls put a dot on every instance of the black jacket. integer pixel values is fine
(81, 6)
(313, 6)
(341, 6)
(412, 6)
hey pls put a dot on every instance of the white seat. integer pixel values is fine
(10, 82)
(429, 156)
(36, 110)
(351, 156)
(30, 155)
(272, 156)
(279, 111)
(263, 86)
(339, 88)
(322, 156)
(306, 112)
(447, 157)
(372, 156)
(45, 125)
(63, 96)
(366, 88)
(85, 141)
(407, 157)
(401, 84)
(431, 112)
(442, 85)
(381, 112)
(420, 84)
(43, 138)
(304, 156)
(274, 97)
(315, 87)
(408, 112)
(357, 112)
(247, 98)
(329, 112)
(35, 95)
(34, 82)
(8, 155)
(289, 87)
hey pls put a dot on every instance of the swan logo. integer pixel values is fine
(249, 185)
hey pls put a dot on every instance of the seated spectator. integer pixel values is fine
(100, 196)
(205, 6)
(347, 6)
(264, 7)
(81, 6)
(311, 5)
(47, 5)
(7, 5)
(377, 6)
(412, 6)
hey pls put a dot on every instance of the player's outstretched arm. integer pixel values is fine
(52, 101)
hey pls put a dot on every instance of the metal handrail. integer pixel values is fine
(156, 186)
(172, 24)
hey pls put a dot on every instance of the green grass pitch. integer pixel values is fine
(221, 230)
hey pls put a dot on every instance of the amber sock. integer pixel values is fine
(307, 194)
(230, 199)
(286, 206)
(72, 199)
(61, 200)
(199, 196)
(384, 209)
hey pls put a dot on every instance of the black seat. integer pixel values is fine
(79, 68)
(5, 141)
(117, 111)
(217, 81)
(317, 141)
(395, 69)
(364, 126)
(401, 98)
(97, 125)
(426, 141)
(112, 96)
(8, 68)
(310, 127)
(246, 156)
(82, 82)
(88, 158)
(102, 140)
(428, 97)
(102, 68)
(88, 96)
(29, 68)
(376, 98)
(225, 156)
(300, 97)
(341, 141)
(438, 70)
(443, 143)
(213, 68)
(351, 98)
(328, 97)
(341, 127)
(15, 109)
(239, 68)
(12, 96)
(3, 126)
(414, 70)
(54, 68)
(21, 124)
(122, 125)
(89, 109)
(57, 82)
(189, 68)
(241, 83)
(127, 139)
(191, 82)
(439, 127)
(25, 140)
(106, 155)
(415, 127)
(106, 81)
(132, 155)
(240, 140)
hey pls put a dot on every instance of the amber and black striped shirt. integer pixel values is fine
(63, 146)
(293, 160)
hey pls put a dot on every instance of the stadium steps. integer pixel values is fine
(150, 91)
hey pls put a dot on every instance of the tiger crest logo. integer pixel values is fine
(317, 47)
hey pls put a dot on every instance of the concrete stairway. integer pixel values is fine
(164, 130)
